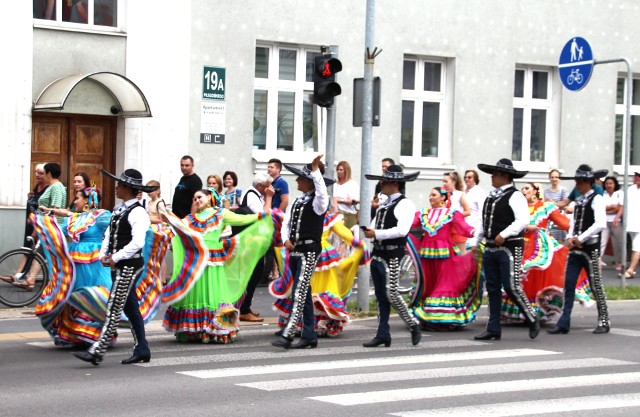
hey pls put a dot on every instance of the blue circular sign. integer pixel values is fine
(576, 64)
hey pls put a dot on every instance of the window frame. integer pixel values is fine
(300, 87)
(419, 96)
(621, 110)
(527, 103)
(120, 28)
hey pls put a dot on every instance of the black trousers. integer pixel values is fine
(256, 276)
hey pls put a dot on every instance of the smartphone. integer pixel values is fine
(363, 228)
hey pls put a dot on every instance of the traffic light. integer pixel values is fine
(325, 87)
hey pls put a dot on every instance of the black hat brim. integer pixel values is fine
(490, 169)
(140, 187)
(407, 177)
(599, 173)
(301, 173)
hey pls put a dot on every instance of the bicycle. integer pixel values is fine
(18, 268)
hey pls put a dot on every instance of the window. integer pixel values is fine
(284, 116)
(621, 123)
(426, 110)
(92, 14)
(535, 126)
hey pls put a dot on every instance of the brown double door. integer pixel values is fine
(78, 144)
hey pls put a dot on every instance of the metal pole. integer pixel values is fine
(366, 187)
(330, 155)
(627, 159)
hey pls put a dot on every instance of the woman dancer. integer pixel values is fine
(450, 296)
(210, 275)
(457, 200)
(331, 281)
(80, 182)
(544, 261)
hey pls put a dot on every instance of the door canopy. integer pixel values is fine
(129, 97)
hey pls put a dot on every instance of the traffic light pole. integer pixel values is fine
(366, 187)
(330, 155)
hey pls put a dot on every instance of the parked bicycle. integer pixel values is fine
(23, 275)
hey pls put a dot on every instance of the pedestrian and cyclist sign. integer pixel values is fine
(576, 64)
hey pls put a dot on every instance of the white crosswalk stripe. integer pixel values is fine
(370, 362)
(524, 408)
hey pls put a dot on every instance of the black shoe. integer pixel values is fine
(282, 342)
(534, 329)
(416, 335)
(601, 330)
(558, 330)
(88, 357)
(488, 335)
(278, 333)
(136, 358)
(375, 342)
(305, 343)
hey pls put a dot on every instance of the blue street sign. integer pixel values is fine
(576, 64)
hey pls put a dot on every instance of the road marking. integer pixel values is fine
(5, 337)
(369, 362)
(624, 332)
(523, 408)
(331, 381)
(407, 394)
(275, 353)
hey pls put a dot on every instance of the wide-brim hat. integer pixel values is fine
(305, 172)
(132, 178)
(394, 173)
(504, 165)
(585, 172)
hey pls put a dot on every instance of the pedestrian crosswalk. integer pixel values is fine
(442, 376)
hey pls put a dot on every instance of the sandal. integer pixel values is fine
(24, 285)
(627, 275)
(7, 279)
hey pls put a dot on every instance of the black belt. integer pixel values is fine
(387, 247)
(306, 242)
(492, 242)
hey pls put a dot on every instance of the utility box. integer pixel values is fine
(358, 93)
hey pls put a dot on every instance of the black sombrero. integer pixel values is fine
(585, 172)
(504, 165)
(305, 172)
(132, 178)
(394, 173)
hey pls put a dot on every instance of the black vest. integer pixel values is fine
(386, 219)
(497, 214)
(305, 223)
(120, 229)
(584, 217)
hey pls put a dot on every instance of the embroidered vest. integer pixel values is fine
(120, 229)
(306, 224)
(498, 214)
(386, 219)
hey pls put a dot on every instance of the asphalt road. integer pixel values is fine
(446, 374)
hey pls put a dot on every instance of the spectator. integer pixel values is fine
(633, 224)
(613, 200)
(556, 193)
(186, 188)
(232, 194)
(281, 197)
(55, 196)
(80, 182)
(215, 182)
(475, 197)
(32, 199)
(346, 194)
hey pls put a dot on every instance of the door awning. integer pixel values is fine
(129, 97)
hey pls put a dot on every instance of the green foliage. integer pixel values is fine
(630, 292)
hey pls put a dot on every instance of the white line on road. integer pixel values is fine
(330, 381)
(370, 362)
(276, 353)
(523, 408)
(407, 394)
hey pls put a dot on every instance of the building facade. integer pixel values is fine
(127, 83)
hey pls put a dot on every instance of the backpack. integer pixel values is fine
(243, 209)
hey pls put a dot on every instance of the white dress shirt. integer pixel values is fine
(139, 221)
(404, 212)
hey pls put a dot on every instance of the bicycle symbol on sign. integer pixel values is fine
(574, 76)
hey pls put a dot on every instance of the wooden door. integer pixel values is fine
(91, 148)
(77, 143)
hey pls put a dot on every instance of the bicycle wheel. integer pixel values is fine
(28, 265)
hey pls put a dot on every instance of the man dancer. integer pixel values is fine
(122, 252)
(390, 228)
(302, 234)
(583, 239)
(186, 188)
(505, 215)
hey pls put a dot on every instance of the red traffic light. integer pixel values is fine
(324, 86)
